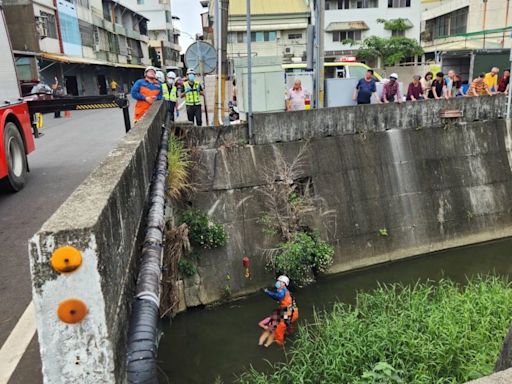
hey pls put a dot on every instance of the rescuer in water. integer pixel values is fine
(289, 312)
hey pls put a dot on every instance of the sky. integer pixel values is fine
(189, 11)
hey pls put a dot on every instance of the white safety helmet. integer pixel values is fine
(171, 75)
(160, 76)
(191, 71)
(393, 76)
(284, 279)
(150, 68)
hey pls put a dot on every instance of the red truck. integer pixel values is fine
(16, 140)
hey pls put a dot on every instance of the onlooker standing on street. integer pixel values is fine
(438, 90)
(170, 93)
(479, 87)
(113, 86)
(146, 91)
(296, 100)
(415, 90)
(426, 84)
(193, 90)
(491, 79)
(365, 88)
(391, 91)
(57, 92)
(504, 82)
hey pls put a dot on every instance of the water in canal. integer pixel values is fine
(202, 345)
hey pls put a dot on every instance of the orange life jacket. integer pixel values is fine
(286, 301)
(284, 325)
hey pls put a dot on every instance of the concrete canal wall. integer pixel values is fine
(101, 219)
(430, 183)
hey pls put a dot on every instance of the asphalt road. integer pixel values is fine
(69, 150)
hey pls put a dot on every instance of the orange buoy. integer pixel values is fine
(66, 259)
(72, 311)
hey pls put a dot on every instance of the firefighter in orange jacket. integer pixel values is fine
(146, 91)
(289, 313)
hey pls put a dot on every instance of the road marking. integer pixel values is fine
(17, 343)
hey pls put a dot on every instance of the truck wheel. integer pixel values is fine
(16, 159)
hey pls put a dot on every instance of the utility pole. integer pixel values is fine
(221, 31)
(249, 69)
(509, 100)
(319, 52)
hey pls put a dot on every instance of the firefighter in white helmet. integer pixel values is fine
(170, 93)
(192, 91)
(146, 91)
(289, 313)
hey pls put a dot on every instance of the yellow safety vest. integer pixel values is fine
(192, 95)
(172, 95)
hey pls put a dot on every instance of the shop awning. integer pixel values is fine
(347, 26)
(73, 59)
(126, 65)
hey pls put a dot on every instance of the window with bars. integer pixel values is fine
(263, 36)
(350, 4)
(399, 3)
(450, 24)
(82, 3)
(49, 21)
(398, 33)
(340, 36)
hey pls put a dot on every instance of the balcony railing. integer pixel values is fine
(133, 34)
(120, 29)
(98, 21)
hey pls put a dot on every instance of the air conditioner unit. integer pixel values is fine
(42, 26)
(97, 48)
(129, 57)
(288, 51)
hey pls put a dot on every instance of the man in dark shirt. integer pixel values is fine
(365, 89)
(439, 89)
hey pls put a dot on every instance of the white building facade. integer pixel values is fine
(278, 29)
(163, 29)
(349, 22)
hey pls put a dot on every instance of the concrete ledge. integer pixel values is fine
(213, 137)
(503, 377)
(101, 219)
(286, 126)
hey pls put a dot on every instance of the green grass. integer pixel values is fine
(179, 168)
(429, 333)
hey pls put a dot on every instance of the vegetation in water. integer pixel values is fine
(179, 163)
(427, 333)
(302, 257)
(203, 231)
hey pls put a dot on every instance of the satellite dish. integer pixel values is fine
(201, 57)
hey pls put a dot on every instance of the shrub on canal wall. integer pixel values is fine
(302, 257)
(203, 231)
(428, 333)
